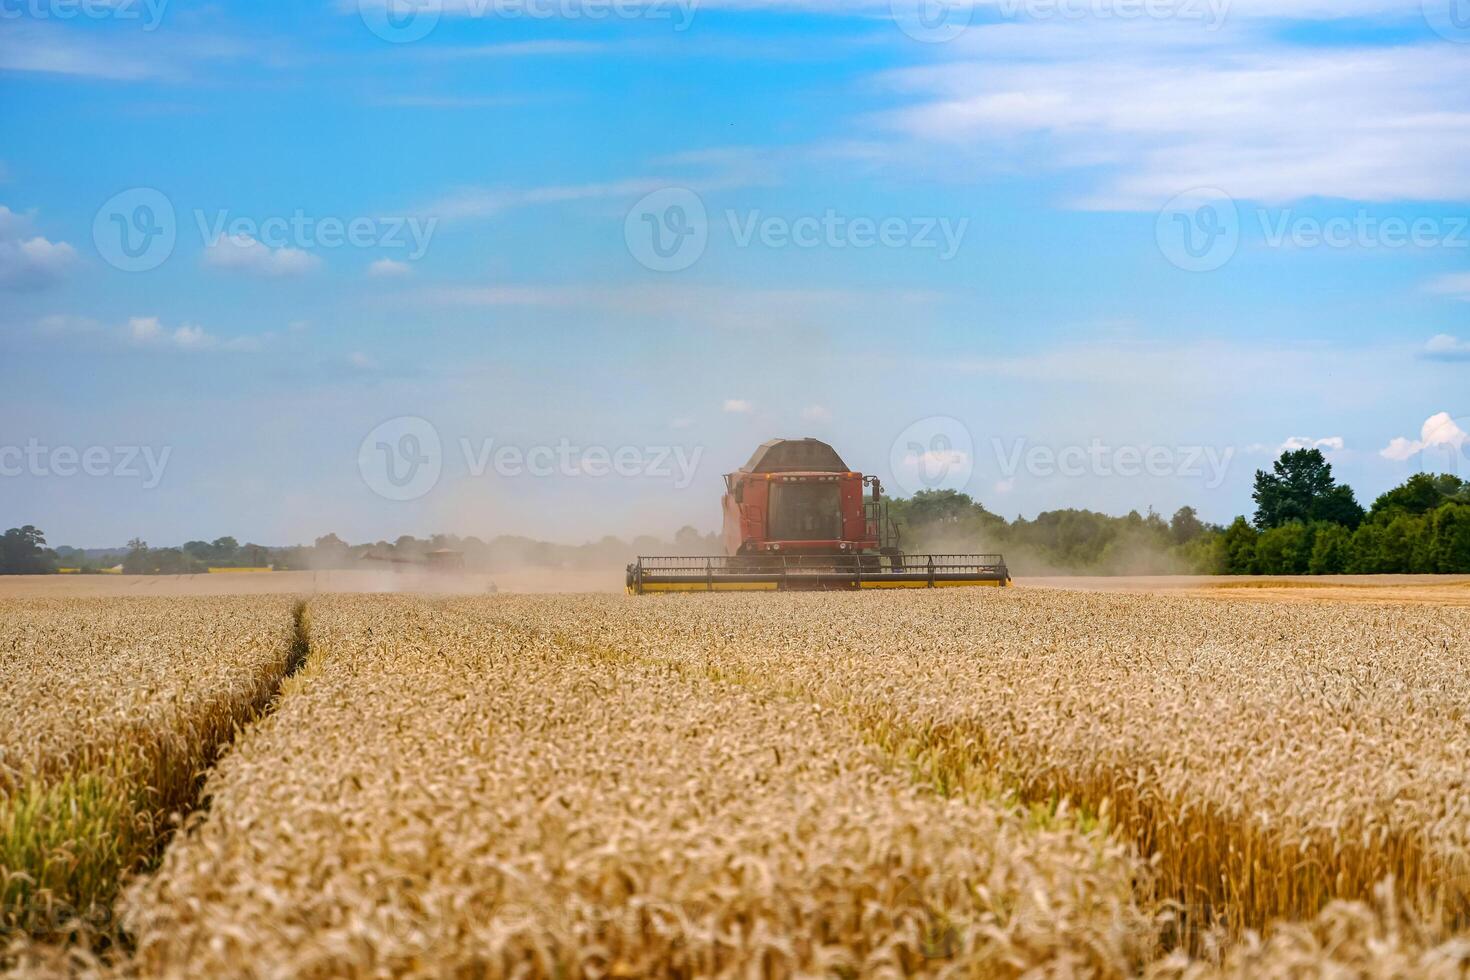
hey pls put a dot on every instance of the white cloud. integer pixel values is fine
(34, 262)
(511, 49)
(816, 413)
(935, 460)
(245, 254)
(50, 45)
(1400, 449)
(681, 423)
(1438, 431)
(884, 9)
(480, 202)
(12, 225)
(29, 262)
(361, 361)
(738, 406)
(149, 331)
(389, 269)
(190, 336)
(1444, 347)
(1456, 284)
(700, 171)
(1331, 444)
(144, 329)
(719, 307)
(67, 324)
(1260, 119)
(1005, 486)
(33, 47)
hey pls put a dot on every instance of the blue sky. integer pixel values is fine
(1156, 241)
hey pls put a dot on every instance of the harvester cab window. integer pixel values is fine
(806, 511)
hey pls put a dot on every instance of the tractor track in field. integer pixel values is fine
(65, 938)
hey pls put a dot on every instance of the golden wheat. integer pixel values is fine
(949, 783)
(1272, 758)
(1346, 940)
(113, 708)
(449, 788)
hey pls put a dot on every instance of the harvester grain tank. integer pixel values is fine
(796, 517)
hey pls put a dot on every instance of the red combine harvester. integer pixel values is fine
(797, 518)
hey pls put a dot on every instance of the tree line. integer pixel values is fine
(23, 551)
(1058, 541)
(1305, 523)
(1308, 524)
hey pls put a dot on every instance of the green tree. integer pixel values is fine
(1284, 550)
(224, 551)
(1201, 556)
(143, 560)
(1451, 533)
(1402, 548)
(23, 551)
(929, 507)
(199, 550)
(1301, 488)
(171, 561)
(1332, 550)
(329, 543)
(1185, 525)
(1237, 548)
(1419, 494)
(1074, 539)
(330, 551)
(1367, 553)
(1152, 524)
(136, 562)
(946, 520)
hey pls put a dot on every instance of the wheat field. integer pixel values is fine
(114, 709)
(957, 783)
(1274, 757)
(452, 789)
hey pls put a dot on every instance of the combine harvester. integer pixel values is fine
(797, 518)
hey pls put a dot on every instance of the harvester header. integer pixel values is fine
(796, 517)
